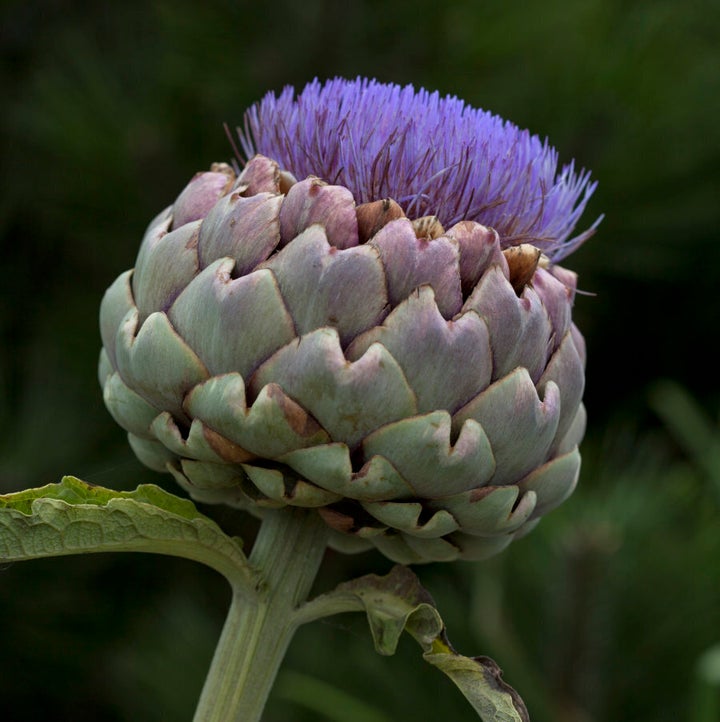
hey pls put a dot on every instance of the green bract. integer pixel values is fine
(277, 344)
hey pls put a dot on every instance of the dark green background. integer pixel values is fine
(604, 612)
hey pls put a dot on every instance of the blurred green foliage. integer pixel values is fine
(609, 610)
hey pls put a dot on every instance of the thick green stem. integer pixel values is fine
(287, 555)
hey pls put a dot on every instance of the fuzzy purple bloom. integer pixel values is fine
(433, 155)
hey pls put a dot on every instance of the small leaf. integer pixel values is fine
(395, 603)
(690, 426)
(74, 517)
(480, 681)
(398, 602)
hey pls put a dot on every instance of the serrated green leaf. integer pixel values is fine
(74, 491)
(74, 517)
(398, 602)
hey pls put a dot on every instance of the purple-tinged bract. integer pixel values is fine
(434, 155)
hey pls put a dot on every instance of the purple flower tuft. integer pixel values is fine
(433, 155)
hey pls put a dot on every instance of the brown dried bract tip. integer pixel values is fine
(226, 170)
(428, 227)
(286, 181)
(226, 449)
(522, 261)
(337, 520)
(371, 217)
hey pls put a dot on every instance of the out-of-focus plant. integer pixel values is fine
(706, 707)
(690, 426)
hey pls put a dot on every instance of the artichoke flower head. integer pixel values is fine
(367, 319)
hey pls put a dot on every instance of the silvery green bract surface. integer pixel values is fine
(287, 341)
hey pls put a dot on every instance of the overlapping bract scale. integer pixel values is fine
(426, 346)
(311, 202)
(244, 228)
(323, 286)
(165, 268)
(411, 262)
(348, 399)
(278, 344)
(217, 316)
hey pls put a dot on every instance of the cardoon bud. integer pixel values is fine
(366, 319)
